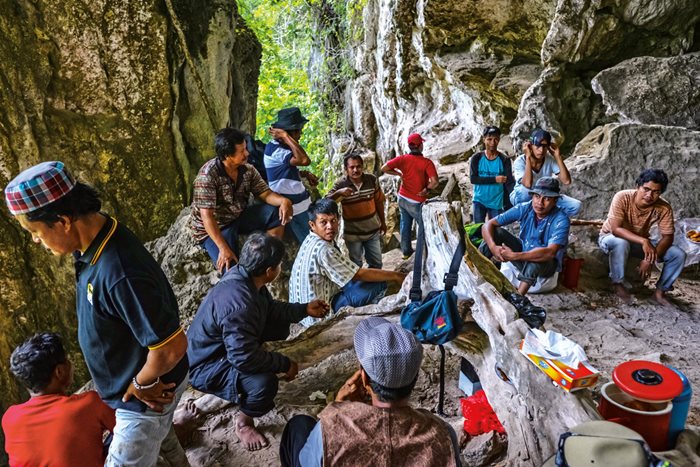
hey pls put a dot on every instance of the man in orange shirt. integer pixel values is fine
(53, 427)
(626, 230)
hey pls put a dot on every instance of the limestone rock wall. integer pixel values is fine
(108, 88)
(446, 68)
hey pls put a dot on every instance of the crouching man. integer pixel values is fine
(371, 421)
(626, 230)
(322, 271)
(226, 336)
(544, 234)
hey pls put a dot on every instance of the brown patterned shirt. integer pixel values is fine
(214, 189)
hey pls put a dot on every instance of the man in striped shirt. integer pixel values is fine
(321, 271)
(363, 212)
(282, 157)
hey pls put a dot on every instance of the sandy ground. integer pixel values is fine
(609, 331)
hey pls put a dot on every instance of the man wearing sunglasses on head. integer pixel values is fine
(541, 158)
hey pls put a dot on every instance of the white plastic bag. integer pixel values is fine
(683, 226)
(553, 346)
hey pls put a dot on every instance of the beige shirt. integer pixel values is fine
(637, 220)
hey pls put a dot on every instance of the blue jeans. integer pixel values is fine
(619, 249)
(260, 216)
(357, 294)
(140, 436)
(409, 213)
(372, 251)
(479, 212)
(570, 206)
(299, 226)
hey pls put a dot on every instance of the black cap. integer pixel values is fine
(290, 119)
(492, 130)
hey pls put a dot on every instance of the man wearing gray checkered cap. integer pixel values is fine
(371, 421)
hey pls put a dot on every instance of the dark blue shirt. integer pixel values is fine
(553, 229)
(125, 307)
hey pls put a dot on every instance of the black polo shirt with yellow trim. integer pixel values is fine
(125, 307)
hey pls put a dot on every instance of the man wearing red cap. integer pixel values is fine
(418, 175)
(128, 321)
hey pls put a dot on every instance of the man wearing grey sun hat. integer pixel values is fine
(371, 421)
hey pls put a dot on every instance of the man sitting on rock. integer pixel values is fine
(544, 234)
(321, 271)
(220, 210)
(535, 163)
(283, 156)
(363, 212)
(226, 337)
(418, 176)
(371, 421)
(626, 230)
(53, 427)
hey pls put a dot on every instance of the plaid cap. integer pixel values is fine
(389, 354)
(38, 186)
(539, 135)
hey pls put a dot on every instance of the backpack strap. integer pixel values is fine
(416, 292)
(452, 276)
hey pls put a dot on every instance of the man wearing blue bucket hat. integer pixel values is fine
(128, 323)
(541, 158)
(544, 234)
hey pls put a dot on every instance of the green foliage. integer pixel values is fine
(284, 28)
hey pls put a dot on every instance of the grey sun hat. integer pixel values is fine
(390, 355)
(546, 186)
(601, 443)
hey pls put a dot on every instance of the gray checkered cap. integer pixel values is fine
(389, 354)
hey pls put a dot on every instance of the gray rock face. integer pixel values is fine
(106, 87)
(654, 91)
(610, 158)
(595, 34)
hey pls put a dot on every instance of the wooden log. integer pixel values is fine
(533, 411)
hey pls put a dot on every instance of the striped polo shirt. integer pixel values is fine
(360, 208)
(283, 177)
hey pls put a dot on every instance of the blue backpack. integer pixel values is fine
(435, 319)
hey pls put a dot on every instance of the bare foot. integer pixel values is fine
(185, 421)
(251, 438)
(622, 292)
(659, 297)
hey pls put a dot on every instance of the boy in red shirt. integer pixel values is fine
(52, 427)
(418, 175)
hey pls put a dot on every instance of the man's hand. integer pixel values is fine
(286, 212)
(644, 269)
(527, 149)
(383, 228)
(423, 193)
(155, 398)
(649, 251)
(345, 192)
(278, 133)
(399, 277)
(292, 372)
(501, 178)
(226, 259)
(310, 177)
(353, 389)
(317, 308)
(554, 149)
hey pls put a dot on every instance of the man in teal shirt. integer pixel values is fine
(491, 175)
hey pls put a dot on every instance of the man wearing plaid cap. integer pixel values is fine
(373, 403)
(128, 323)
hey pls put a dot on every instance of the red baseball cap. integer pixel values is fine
(415, 139)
